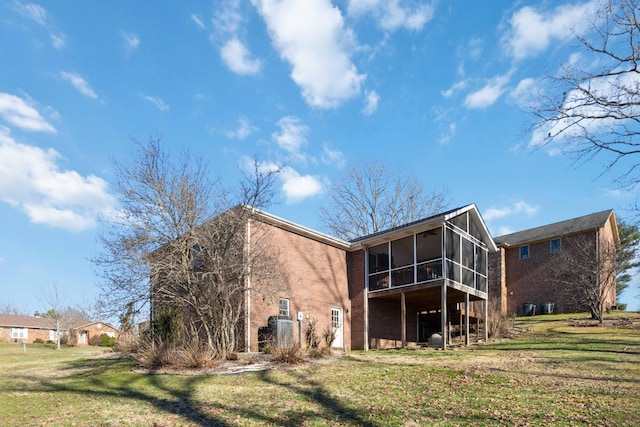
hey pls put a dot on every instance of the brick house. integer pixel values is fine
(389, 289)
(522, 270)
(85, 334)
(26, 328)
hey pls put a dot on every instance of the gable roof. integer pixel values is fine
(86, 325)
(425, 224)
(558, 229)
(11, 321)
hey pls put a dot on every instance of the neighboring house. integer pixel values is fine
(87, 333)
(26, 328)
(389, 289)
(522, 272)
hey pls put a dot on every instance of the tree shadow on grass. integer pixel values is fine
(177, 395)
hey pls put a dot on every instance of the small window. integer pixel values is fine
(556, 246)
(524, 252)
(284, 307)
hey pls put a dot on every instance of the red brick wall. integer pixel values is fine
(497, 281)
(357, 294)
(530, 280)
(32, 334)
(316, 281)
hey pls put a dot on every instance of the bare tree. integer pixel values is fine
(584, 272)
(596, 107)
(372, 198)
(181, 241)
(56, 311)
(8, 308)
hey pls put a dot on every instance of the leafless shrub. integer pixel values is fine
(311, 335)
(328, 337)
(290, 354)
(498, 324)
(196, 354)
(155, 353)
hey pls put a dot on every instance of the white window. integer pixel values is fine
(524, 252)
(556, 246)
(284, 307)
(20, 333)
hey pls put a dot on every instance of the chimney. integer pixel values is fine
(36, 314)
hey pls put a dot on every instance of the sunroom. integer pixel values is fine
(427, 281)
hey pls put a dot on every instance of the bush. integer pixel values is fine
(290, 355)
(38, 341)
(499, 325)
(103, 340)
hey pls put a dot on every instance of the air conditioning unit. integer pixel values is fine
(281, 328)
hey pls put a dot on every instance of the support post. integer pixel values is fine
(443, 313)
(466, 318)
(403, 315)
(486, 317)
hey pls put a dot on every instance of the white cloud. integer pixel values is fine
(581, 117)
(32, 11)
(244, 129)
(58, 40)
(79, 83)
(30, 180)
(292, 135)
(157, 102)
(298, 187)
(520, 207)
(17, 112)
(310, 35)
(198, 21)
(394, 14)
(228, 19)
(532, 31)
(524, 93)
(131, 40)
(227, 26)
(457, 87)
(504, 230)
(332, 157)
(238, 58)
(489, 94)
(371, 103)
(447, 136)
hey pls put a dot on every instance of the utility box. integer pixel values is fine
(281, 328)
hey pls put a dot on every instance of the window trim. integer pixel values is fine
(559, 240)
(520, 252)
(19, 333)
(280, 311)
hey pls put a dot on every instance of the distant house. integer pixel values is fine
(26, 328)
(87, 334)
(522, 270)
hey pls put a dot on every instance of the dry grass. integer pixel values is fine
(556, 373)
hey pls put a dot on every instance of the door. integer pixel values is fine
(82, 337)
(336, 325)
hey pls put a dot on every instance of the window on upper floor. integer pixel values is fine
(556, 246)
(524, 252)
(284, 307)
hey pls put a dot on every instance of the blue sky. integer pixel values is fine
(433, 88)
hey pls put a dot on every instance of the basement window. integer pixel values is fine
(524, 252)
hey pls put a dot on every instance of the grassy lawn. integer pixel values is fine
(554, 374)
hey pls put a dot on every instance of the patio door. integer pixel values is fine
(336, 324)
